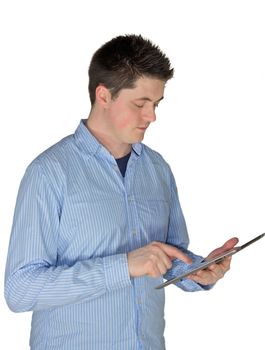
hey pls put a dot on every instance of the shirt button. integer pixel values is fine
(130, 198)
(134, 232)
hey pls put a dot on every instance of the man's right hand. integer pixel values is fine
(154, 259)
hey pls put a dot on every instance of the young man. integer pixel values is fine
(98, 221)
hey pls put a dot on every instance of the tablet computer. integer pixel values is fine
(204, 264)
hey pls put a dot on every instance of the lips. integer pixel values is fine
(142, 127)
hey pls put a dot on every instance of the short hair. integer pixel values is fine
(121, 61)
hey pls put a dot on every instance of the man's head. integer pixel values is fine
(119, 63)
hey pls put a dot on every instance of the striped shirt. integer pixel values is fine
(75, 220)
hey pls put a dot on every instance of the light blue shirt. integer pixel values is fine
(76, 218)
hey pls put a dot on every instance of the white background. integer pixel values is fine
(209, 128)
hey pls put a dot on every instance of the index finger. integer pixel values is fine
(173, 252)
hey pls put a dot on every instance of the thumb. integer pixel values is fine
(226, 246)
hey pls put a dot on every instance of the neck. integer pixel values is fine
(101, 132)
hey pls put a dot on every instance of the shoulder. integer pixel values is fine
(57, 153)
(158, 162)
(154, 156)
(51, 165)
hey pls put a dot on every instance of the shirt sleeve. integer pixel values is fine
(33, 280)
(178, 237)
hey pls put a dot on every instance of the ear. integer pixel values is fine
(103, 95)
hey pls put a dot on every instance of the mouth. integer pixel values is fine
(142, 128)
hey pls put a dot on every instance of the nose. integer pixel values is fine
(149, 114)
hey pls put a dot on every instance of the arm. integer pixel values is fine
(178, 237)
(33, 279)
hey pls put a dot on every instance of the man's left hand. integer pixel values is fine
(214, 272)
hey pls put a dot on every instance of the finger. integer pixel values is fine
(156, 272)
(156, 261)
(207, 276)
(162, 267)
(160, 258)
(174, 252)
(230, 243)
(225, 247)
(159, 263)
(203, 280)
(217, 270)
(200, 277)
(225, 263)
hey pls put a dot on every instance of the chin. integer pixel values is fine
(138, 139)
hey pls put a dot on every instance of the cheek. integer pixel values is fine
(124, 122)
(124, 119)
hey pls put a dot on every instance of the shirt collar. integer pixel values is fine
(89, 144)
(137, 148)
(85, 140)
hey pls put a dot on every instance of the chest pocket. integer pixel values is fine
(154, 219)
(153, 196)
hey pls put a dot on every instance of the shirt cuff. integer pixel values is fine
(191, 286)
(116, 272)
(179, 267)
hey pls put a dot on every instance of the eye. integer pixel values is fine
(139, 105)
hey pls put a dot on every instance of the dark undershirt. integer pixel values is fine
(122, 163)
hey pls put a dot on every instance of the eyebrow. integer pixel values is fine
(148, 99)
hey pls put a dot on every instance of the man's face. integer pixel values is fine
(133, 110)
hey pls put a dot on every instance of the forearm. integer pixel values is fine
(179, 267)
(38, 286)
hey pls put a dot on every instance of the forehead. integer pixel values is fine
(145, 88)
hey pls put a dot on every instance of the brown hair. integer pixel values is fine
(121, 61)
